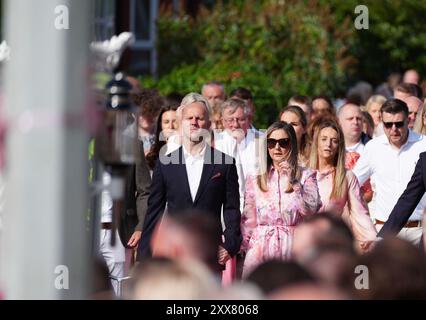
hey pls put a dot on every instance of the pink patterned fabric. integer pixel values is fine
(350, 204)
(351, 159)
(269, 218)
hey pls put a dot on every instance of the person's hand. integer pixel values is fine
(134, 239)
(285, 168)
(366, 246)
(223, 255)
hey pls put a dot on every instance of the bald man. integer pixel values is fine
(350, 119)
(413, 104)
(411, 76)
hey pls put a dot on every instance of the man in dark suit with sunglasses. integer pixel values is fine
(195, 176)
(390, 160)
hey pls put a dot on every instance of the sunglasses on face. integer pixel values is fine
(283, 143)
(389, 125)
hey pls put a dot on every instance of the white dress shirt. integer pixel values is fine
(391, 170)
(359, 148)
(245, 153)
(248, 150)
(194, 169)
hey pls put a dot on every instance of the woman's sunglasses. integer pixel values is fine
(284, 143)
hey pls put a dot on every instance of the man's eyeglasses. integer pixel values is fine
(231, 120)
(283, 143)
(389, 125)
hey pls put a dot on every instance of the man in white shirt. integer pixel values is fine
(351, 120)
(245, 140)
(391, 159)
(238, 141)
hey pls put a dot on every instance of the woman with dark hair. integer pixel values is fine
(338, 187)
(295, 116)
(149, 103)
(166, 127)
(277, 199)
(321, 105)
(367, 124)
(304, 103)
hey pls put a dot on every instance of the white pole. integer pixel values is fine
(44, 241)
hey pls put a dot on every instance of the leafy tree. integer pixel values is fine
(394, 41)
(275, 48)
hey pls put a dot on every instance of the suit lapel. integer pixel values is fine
(208, 168)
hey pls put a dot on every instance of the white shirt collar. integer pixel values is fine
(198, 156)
(250, 135)
(412, 137)
(354, 147)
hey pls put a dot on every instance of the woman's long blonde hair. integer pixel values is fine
(339, 175)
(292, 158)
(377, 98)
(419, 126)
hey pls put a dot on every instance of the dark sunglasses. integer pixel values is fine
(284, 143)
(389, 125)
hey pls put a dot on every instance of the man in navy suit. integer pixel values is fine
(408, 201)
(195, 176)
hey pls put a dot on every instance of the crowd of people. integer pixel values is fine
(223, 210)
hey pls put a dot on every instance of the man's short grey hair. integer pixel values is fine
(213, 83)
(340, 111)
(233, 104)
(194, 97)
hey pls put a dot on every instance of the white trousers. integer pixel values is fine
(412, 235)
(115, 256)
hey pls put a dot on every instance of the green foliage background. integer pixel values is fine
(279, 48)
(395, 40)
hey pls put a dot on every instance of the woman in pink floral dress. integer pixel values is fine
(339, 188)
(276, 200)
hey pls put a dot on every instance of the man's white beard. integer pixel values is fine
(238, 135)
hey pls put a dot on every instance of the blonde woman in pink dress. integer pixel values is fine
(276, 200)
(339, 188)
